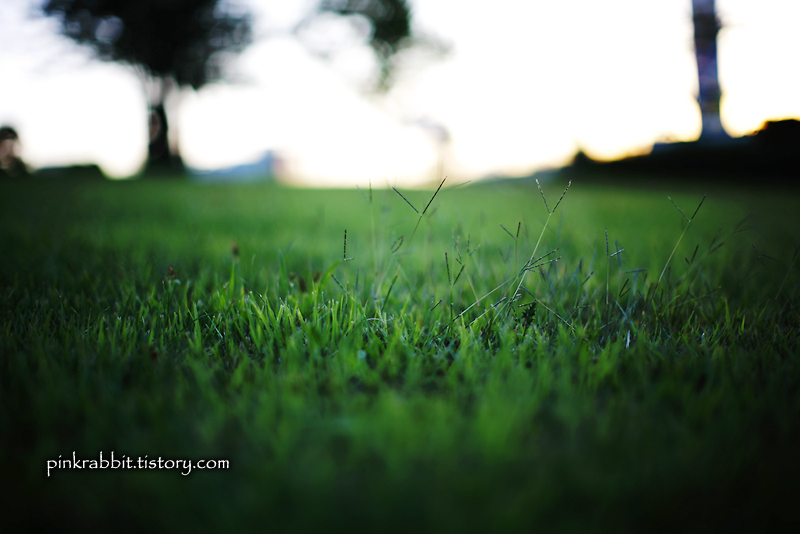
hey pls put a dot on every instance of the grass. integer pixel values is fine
(491, 362)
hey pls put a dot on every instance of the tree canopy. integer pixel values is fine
(390, 22)
(183, 40)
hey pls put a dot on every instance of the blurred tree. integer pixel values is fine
(178, 43)
(170, 43)
(386, 25)
(390, 21)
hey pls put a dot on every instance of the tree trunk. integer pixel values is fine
(161, 161)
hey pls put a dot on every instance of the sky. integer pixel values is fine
(526, 83)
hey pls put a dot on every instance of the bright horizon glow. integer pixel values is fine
(526, 85)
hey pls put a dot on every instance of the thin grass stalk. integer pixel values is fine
(675, 248)
(544, 228)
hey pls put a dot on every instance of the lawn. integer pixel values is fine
(613, 361)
